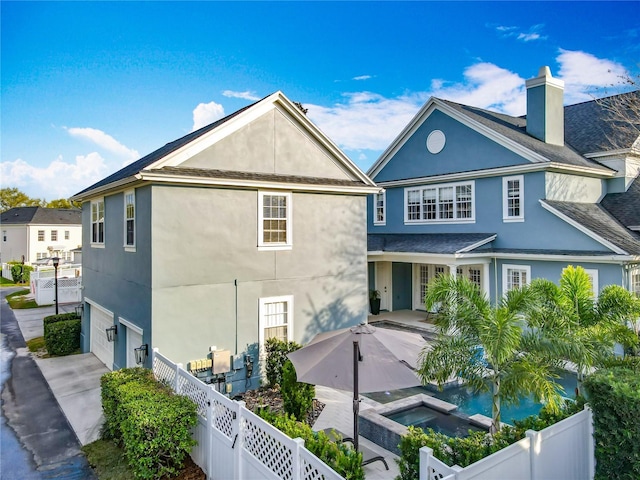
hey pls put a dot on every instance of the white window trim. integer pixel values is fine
(632, 285)
(471, 219)
(288, 245)
(43, 235)
(593, 275)
(98, 244)
(127, 247)
(505, 205)
(131, 325)
(505, 270)
(261, 310)
(384, 208)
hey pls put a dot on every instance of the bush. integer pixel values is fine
(614, 395)
(343, 459)
(297, 397)
(21, 273)
(62, 333)
(277, 351)
(152, 424)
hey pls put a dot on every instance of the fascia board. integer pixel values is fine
(150, 176)
(617, 259)
(478, 244)
(583, 229)
(498, 172)
(104, 189)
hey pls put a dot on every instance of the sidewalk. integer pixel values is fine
(73, 379)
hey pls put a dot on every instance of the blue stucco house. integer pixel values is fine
(504, 199)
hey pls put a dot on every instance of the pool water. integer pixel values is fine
(471, 403)
(424, 417)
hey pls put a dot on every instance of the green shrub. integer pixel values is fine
(340, 457)
(614, 396)
(297, 397)
(51, 319)
(63, 338)
(152, 424)
(21, 273)
(277, 351)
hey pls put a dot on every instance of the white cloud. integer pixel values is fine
(59, 179)
(104, 141)
(525, 36)
(247, 95)
(362, 77)
(206, 113)
(586, 75)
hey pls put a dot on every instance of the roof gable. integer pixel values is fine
(198, 149)
(41, 216)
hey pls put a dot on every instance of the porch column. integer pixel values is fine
(486, 279)
(453, 270)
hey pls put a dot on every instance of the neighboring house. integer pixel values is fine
(37, 233)
(504, 199)
(249, 228)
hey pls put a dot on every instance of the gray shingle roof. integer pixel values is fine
(625, 206)
(41, 216)
(598, 220)
(514, 128)
(438, 243)
(589, 127)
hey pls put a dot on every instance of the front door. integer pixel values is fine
(401, 286)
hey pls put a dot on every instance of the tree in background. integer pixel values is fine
(13, 197)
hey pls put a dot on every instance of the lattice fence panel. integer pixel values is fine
(271, 452)
(310, 472)
(163, 372)
(223, 418)
(195, 392)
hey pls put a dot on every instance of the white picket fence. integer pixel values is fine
(233, 442)
(564, 450)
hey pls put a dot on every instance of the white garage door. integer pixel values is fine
(101, 319)
(134, 340)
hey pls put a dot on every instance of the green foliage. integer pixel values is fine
(53, 319)
(340, 457)
(107, 460)
(13, 197)
(464, 451)
(21, 273)
(277, 351)
(614, 396)
(151, 423)
(297, 397)
(62, 333)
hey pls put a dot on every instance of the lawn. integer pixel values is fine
(19, 300)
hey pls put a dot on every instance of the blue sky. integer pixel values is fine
(88, 87)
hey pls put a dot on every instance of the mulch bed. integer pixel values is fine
(254, 399)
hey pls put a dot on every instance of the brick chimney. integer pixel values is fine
(545, 109)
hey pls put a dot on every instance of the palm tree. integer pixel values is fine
(517, 360)
(593, 325)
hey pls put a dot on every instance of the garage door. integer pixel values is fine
(134, 340)
(101, 319)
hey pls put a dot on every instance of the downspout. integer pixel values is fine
(235, 283)
(495, 276)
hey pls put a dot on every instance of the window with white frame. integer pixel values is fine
(97, 222)
(41, 235)
(276, 318)
(475, 276)
(423, 281)
(452, 202)
(635, 282)
(66, 234)
(274, 220)
(513, 199)
(129, 219)
(40, 255)
(593, 279)
(379, 208)
(515, 276)
(54, 235)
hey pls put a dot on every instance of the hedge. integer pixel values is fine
(20, 272)
(614, 396)
(151, 423)
(62, 333)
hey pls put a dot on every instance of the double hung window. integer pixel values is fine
(97, 222)
(274, 221)
(515, 276)
(379, 208)
(512, 199)
(453, 202)
(129, 219)
(276, 318)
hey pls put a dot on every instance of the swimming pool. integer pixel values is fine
(424, 417)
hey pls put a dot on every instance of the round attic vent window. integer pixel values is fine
(436, 141)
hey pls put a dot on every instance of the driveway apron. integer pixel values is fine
(37, 440)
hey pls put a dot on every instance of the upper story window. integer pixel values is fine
(54, 235)
(66, 234)
(515, 276)
(452, 202)
(41, 235)
(274, 221)
(513, 199)
(379, 208)
(129, 219)
(97, 222)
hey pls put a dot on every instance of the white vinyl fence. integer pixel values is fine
(564, 450)
(42, 284)
(233, 443)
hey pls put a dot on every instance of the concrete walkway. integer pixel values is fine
(73, 379)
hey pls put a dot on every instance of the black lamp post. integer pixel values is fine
(56, 262)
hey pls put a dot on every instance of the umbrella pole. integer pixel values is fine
(356, 396)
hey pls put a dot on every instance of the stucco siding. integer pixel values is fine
(574, 188)
(273, 143)
(465, 150)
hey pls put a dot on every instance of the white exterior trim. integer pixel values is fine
(478, 244)
(583, 229)
(130, 325)
(96, 304)
(384, 208)
(505, 271)
(505, 199)
(595, 286)
(288, 299)
(288, 245)
(437, 187)
(129, 247)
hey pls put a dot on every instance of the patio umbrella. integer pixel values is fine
(363, 358)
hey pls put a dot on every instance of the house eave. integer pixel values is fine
(104, 189)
